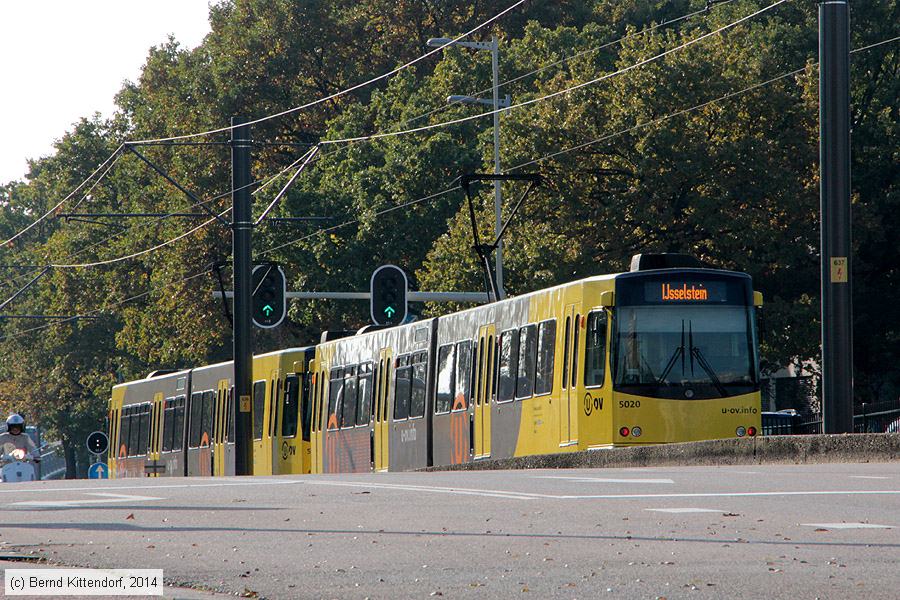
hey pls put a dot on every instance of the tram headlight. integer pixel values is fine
(740, 431)
(624, 432)
(636, 431)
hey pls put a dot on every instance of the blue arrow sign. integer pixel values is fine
(98, 471)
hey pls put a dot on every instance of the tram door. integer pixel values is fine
(484, 390)
(567, 435)
(380, 456)
(153, 468)
(274, 426)
(315, 456)
(220, 427)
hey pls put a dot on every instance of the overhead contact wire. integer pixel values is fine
(563, 60)
(579, 86)
(342, 92)
(66, 199)
(659, 120)
(433, 196)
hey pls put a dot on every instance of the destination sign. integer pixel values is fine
(685, 291)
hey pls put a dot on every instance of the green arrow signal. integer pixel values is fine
(389, 311)
(268, 310)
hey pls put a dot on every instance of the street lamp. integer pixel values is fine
(497, 104)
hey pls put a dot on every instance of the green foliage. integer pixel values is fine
(734, 182)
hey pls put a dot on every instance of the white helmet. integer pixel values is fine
(15, 420)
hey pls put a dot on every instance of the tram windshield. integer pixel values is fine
(684, 351)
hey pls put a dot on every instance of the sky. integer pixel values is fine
(61, 60)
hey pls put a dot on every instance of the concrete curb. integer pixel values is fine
(785, 449)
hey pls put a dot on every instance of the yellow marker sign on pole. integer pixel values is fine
(839, 269)
(245, 404)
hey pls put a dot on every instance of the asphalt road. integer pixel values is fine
(806, 531)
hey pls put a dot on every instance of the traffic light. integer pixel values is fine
(268, 296)
(388, 295)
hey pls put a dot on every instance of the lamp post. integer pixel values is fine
(497, 103)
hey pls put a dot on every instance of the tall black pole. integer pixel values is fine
(834, 160)
(242, 229)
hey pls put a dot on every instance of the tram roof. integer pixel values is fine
(284, 351)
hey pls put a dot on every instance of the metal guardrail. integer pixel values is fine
(881, 417)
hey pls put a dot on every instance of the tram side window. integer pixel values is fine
(493, 359)
(168, 424)
(305, 401)
(206, 420)
(291, 406)
(402, 388)
(417, 394)
(274, 405)
(595, 349)
(145, 429)
(364, 393)
(125, 431)
(348, 412)
(445, 379)
(134, 446)
(314, 383)
(509, 360)
(259, 406)
(527, 358)
(317, 385)
(576, 329)
(543, 383)
(231, 414)
(335, 391)
(565, 366)
(386, 384)
(178, 424)
(196, 408)
(135, 432)
(321, 384)
(463, 375)
(133, 426)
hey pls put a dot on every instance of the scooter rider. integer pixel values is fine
(15, 438)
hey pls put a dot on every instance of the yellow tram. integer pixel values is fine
(666, 352)
(181, 423)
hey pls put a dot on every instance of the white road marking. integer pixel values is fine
(434, 489)
(848, 525)
(244, 483)
(684, 510)
(868, 477)
(730, 494)
(603, 479)
(108, 499)
(256, 482)
(529, 495)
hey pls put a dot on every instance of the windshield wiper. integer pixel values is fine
(679, 351)
(704, 364)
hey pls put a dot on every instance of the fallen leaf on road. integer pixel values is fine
(130, 517)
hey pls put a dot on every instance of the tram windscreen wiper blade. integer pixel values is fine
(679, 351)
(701, 360)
